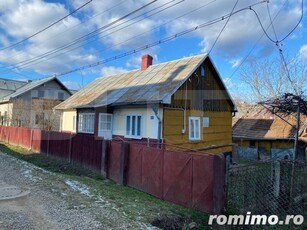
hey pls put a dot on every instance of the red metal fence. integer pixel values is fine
(189, 179)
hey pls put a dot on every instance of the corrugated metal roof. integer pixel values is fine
(11, 85)
(29, 86)
(155, 84)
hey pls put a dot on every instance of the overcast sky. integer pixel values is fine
(103, 29)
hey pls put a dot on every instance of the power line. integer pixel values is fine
(217, 38)
(254, 46)
(281, 40)
(54, 23)
(161, 41)
(56, 51)
(70, 28)
(80, 39)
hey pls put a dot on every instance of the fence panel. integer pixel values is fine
(114, 161)
(177, 178)
(36, 140)
(25, 137)
(13, 135)
(91, 152)
(44, 142)
(134, 178)
(152, 165)
(202, 192)
(77, 149)
(59, 144)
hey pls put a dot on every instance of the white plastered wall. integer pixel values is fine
(149, 127)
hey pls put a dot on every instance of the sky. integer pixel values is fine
(101, 38)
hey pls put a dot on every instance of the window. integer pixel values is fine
(202, 71)
(39, 118)
(194, 128)
(40, 93)
(86, 122)
(60, 95)
(133, 126)
(205, 122)
(50, 93)
(105, 125)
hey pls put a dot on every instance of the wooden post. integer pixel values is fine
(48, 144)
(124, 163)
(105, 158)
(31, 139)
(70, 149)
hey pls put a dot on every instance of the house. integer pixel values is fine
(30, 103)
(182, 103)
(262, 135)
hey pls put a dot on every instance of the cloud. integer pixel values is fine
(303, 52)
(72, 85)
(235, 62)
(19, 19)
(29, 16)
(111, 70)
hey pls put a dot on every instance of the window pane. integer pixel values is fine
(139, 126)
(133, 126)
(191, 128)
(128, 125)
(197, 126)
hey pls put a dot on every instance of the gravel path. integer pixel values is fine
(54, 202)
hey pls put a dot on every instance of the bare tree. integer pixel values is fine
(44, 116)
(21, 113)
(270, 78)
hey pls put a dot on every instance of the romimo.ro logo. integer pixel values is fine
(250, 219)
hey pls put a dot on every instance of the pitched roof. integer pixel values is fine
(29, 86)
(269, 128)
(8, 84)
(156, 84)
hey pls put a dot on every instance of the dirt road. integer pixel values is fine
(54, 202)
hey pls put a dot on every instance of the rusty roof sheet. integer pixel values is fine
(155, 84)
(266, 128)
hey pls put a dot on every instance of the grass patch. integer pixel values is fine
(131, 203)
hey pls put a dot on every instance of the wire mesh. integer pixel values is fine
(267, 188)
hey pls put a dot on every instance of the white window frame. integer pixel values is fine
(105, 132)
(129, 132)
(86, 122)
(193, 130)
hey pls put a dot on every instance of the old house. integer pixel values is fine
(181, 103)
(30, 103)
(263, 135)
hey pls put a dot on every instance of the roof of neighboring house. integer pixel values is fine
(29, 86)
(12, 85)
(156, 84)
(265, 126)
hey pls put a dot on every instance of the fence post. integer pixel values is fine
(31, 139)
(124, 163)
(48, 140)
(70, 149)
(105, 158)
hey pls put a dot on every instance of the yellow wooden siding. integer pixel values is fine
(219, 131)
(267, 144)
(202, 93)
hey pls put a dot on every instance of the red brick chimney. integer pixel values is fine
(146, 61)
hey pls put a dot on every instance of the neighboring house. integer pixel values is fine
(181, 103)
(30, 103)
(263, 135)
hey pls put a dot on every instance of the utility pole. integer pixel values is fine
(297, 126)
(295, 150)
